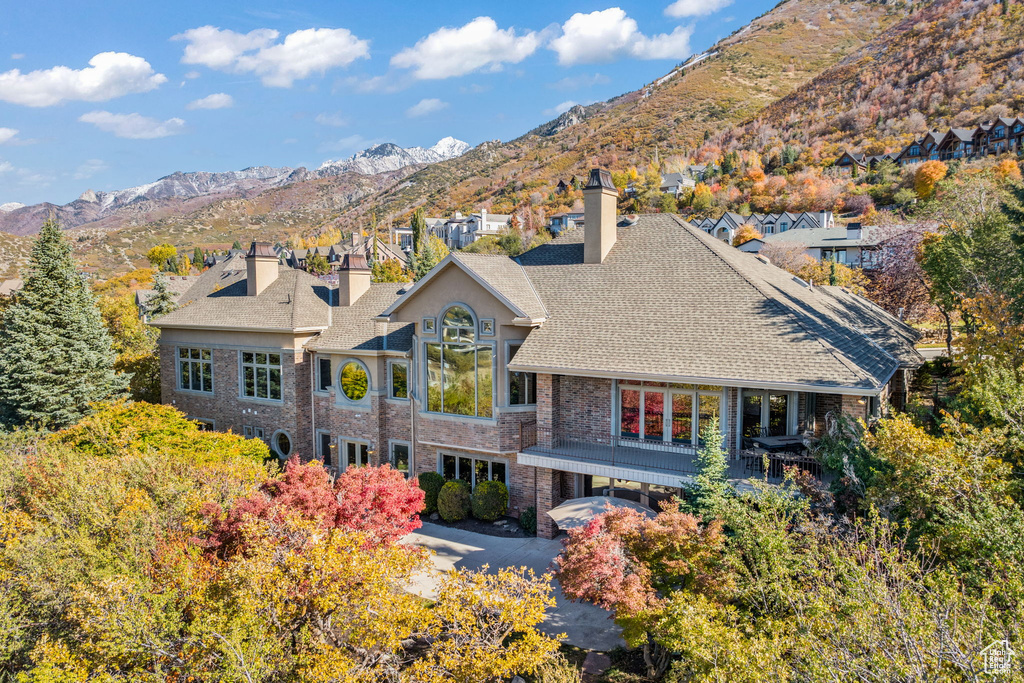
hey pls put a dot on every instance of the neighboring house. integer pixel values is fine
(1004, 135)
(677, 183)
(458, 231)
(850, 160)
(177, 285)
(560, 222)
(853, 245)
(725, 226)
(586, 366)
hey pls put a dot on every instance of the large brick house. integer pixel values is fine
(585, 366)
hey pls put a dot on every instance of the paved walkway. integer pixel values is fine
(585, 625)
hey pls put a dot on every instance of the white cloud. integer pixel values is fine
(6, 167)
(277, 64)
(695, 8)
(610, 34)
(18, 55)
(90, 168)
(218, 100)
(133, 126)
(7, 134)
(109, 75)
(425, 106)
(335, 120)
(479, 44)
(192, 75)
(561, 108)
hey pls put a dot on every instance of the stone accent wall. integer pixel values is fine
(230, 412)
(731, 421)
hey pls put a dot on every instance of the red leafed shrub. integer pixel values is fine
(379, 501)
(376, 501)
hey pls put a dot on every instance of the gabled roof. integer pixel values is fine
(295, 301)
(354, 328)
(669, 301)
(503, 277)
(828, 238)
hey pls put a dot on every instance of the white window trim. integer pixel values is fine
(723, 412)
(339, 392)
(476, 456)
(343, 452)
(177, 370)
(391, 383)
(391, 453)
(273, 444)
(241, 379)
(792, 407)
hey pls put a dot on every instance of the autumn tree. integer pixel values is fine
(160, 255)
(390, 270)
(317, 264)
(928, 176)
(1008, 170)
(745, 233)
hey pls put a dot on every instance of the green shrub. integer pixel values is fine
(528, 520)
(431, 483)
(559, 669)
(490, 500)
(453, 501)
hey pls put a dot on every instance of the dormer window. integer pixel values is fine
(460, 375)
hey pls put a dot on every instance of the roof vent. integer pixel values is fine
(764, 259)
(629, 220)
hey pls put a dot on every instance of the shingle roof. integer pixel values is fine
(828, 237)
(294, 301)
(354, 328)
(671, 301)
(177, 285)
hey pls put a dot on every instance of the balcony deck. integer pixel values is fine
(652, 462)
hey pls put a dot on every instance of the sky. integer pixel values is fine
(110, 95)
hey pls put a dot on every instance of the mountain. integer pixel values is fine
(390, 157)
(186, 192)
(949, 64)
(665, 120)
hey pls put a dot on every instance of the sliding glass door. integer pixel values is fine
(667, 414)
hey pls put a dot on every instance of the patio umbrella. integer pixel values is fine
(578, 511)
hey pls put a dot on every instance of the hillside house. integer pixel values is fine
(726, 225)
(853, 245)
(586, 366)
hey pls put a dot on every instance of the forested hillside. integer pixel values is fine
(952, 63)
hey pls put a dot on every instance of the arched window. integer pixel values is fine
(460, 375)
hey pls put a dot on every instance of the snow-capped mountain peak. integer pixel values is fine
(10, 206)
(388, 156)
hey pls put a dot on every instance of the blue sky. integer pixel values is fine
(111, 95)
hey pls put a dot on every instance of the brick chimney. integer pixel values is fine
(599, 231)
(353, 279)
(261, 267)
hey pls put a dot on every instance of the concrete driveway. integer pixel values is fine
(585, 625)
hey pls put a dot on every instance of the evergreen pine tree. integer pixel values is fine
(57, 356)
(197, 258)
(236, 245)
(419, 229)
(162, 302)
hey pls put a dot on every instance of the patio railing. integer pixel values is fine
(607, 449)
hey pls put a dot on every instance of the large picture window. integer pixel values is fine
(473, 470)
(195, 369)
(522, 386)
(668, 414)
(460, 378)
(261, 375)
